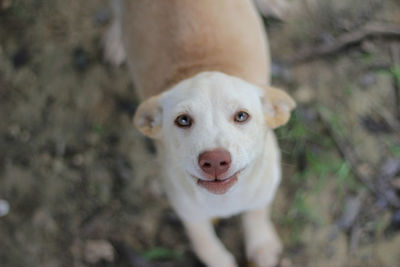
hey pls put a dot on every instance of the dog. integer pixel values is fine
(202, 70)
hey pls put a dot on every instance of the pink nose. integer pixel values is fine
(215, 162)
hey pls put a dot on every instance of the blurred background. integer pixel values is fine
(78, 184)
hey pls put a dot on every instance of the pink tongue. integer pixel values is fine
(218, 187)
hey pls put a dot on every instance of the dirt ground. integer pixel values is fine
(81, 182)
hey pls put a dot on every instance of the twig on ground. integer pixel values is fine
(348, 152)
(386, 115)
(395, 54)
(390, 120)
(346, 40)
(379, 65)
(355, 235)
(389, 169)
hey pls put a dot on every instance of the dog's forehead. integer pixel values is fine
(212, 88)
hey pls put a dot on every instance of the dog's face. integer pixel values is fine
(213, 125)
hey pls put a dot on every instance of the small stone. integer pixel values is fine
(281, 71)
(351, 210)
(6, 4)
(278, 10)
(365, 169)
(97, 250)
(102, 16)
(369, 47)
(368, 79)
(14, 130)
(25, 136)
(304, 95)
(80, 58)
(155, 189)
(4, 207)
(390, 168)
(396, 220)
(78, 160)
(93, 139)
(285, 262)
(43, 220)
(20, 58)
(396, 183)
(327, 38)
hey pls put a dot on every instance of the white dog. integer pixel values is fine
(202, 69)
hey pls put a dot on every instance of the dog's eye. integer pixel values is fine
(241, 116)
(184, 121)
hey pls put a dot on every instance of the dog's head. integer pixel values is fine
(213, 125)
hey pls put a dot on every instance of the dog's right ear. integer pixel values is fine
(148, 118)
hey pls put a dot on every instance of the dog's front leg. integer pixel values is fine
(262, 243)
(207, 246)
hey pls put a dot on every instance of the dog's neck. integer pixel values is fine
(187, 71)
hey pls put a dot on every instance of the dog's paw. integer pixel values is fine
(113, 49)
(213, 259)
(226, 261)
(266, 254)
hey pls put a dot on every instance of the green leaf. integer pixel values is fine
(159, 253)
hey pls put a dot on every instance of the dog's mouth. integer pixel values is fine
(218, 186)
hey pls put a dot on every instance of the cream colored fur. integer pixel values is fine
(208, 59)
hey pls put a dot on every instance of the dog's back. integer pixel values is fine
(170, 40)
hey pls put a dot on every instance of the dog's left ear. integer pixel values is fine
(277, 106)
